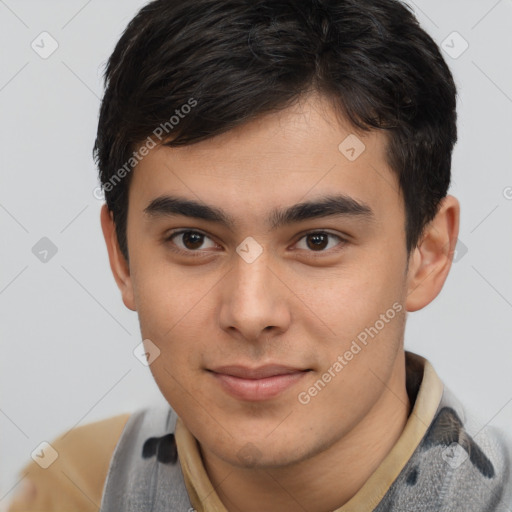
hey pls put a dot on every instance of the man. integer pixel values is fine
(276, 178)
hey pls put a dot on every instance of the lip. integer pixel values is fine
(256, 384)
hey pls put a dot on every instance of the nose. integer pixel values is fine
(254, 300)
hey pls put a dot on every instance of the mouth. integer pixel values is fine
(257, 384)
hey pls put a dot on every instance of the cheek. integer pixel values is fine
(365, 317)
(165, 296)
(354, 371)
(177, 328)
(172, 317)
(345, 301)
(178, 369)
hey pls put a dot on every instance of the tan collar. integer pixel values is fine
(420, 373)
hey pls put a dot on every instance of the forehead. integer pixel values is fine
(277, 160)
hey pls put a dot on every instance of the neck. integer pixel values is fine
(327, 480)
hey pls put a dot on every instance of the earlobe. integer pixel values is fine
(118, 264)
(431, 260)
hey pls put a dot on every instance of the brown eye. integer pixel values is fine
(317, 241)
(188, 241)
(320, 241)
(192, 240)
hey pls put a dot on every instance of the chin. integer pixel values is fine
(262, 454)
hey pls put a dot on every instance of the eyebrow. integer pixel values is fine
(327, 206)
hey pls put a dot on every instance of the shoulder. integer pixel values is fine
(460, 460)
(75, 480)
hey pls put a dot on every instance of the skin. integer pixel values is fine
(295, 305)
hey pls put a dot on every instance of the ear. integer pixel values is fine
(431, 260)
(118, 264)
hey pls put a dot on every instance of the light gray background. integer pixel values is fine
(67, 339)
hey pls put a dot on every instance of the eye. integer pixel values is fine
(318, 241)
(188, 241)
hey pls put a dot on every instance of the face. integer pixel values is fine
(278, 325)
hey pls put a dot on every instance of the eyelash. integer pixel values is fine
(200, 253)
